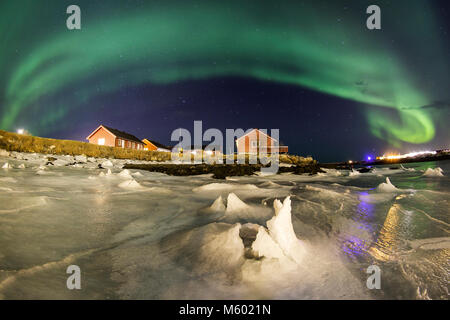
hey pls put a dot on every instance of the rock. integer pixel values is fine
(4, 153)
(219, 171)
(301, 169)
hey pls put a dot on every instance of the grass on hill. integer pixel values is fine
(26, 143)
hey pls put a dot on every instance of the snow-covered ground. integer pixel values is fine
(140, 235)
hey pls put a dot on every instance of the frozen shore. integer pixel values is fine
(148, 235)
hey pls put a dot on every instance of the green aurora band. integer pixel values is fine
(163, 45)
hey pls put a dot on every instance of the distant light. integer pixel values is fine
(407, 155)
(209, 152)
(369, 158)
(350, 161)
(20, 131)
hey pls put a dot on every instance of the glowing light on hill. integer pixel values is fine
(407, 155)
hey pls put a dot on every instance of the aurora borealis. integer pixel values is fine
(394, 76)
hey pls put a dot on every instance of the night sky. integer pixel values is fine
(336, 90)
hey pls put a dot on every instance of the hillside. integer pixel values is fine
(26, 143)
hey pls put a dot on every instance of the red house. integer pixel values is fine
(151, 145)
(106, 136)
(257, 141)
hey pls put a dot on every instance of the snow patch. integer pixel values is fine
(234, 204)
(265, 246)
(131, 184)
(387, 186)
(436, 172)
(125, 174)
(218, 205)
(213, 248)
(282, 232)
(137, 174)
(238, 211)
(107, 163)
(270, 184)
(330, 173)
(354, 173)
(406, 169)
(107, 174)
(7, 166)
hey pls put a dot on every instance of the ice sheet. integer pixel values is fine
(138, 234)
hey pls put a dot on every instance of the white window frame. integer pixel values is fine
(254, 144)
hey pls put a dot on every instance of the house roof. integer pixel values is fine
(118, 134)
(156, 144)
(258, 131)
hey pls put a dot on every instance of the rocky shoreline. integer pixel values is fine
(220, 171)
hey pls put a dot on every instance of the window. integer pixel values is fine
(101, 141)
(254, 144)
